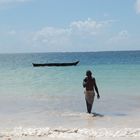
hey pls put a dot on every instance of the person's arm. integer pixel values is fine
(96, 88)
(84, 83)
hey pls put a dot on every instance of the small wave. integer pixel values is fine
(71, 133)
(70, 114)
(82, 115)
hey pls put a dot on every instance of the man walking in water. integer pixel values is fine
(89, 83)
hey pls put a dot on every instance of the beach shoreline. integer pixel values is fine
(64, 133)
(79, 127)
(47, 138)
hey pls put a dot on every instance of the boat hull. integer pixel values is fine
(55, 64)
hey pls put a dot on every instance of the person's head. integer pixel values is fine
(88, 73)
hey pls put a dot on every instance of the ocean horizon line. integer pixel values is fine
(103, 51)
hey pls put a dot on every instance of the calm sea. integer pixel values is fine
(40, 96)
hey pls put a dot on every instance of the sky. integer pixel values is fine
(69, 25)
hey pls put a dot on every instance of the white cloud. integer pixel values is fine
(51, 36)
(120, 37)
(86, 35)
(75, 32)
(137, 6)
(79, 35)
(88, 27)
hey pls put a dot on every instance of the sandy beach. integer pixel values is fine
(85, 128)
(46, 138)
(76, 134)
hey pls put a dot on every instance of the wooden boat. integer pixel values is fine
(55, 64)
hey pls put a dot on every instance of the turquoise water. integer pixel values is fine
(29, 91)
(117, 71)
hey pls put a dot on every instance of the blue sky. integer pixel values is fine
(69, 25)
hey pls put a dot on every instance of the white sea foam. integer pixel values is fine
(71, 133)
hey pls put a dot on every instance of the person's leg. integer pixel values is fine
(89, 107)
(89, 97)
